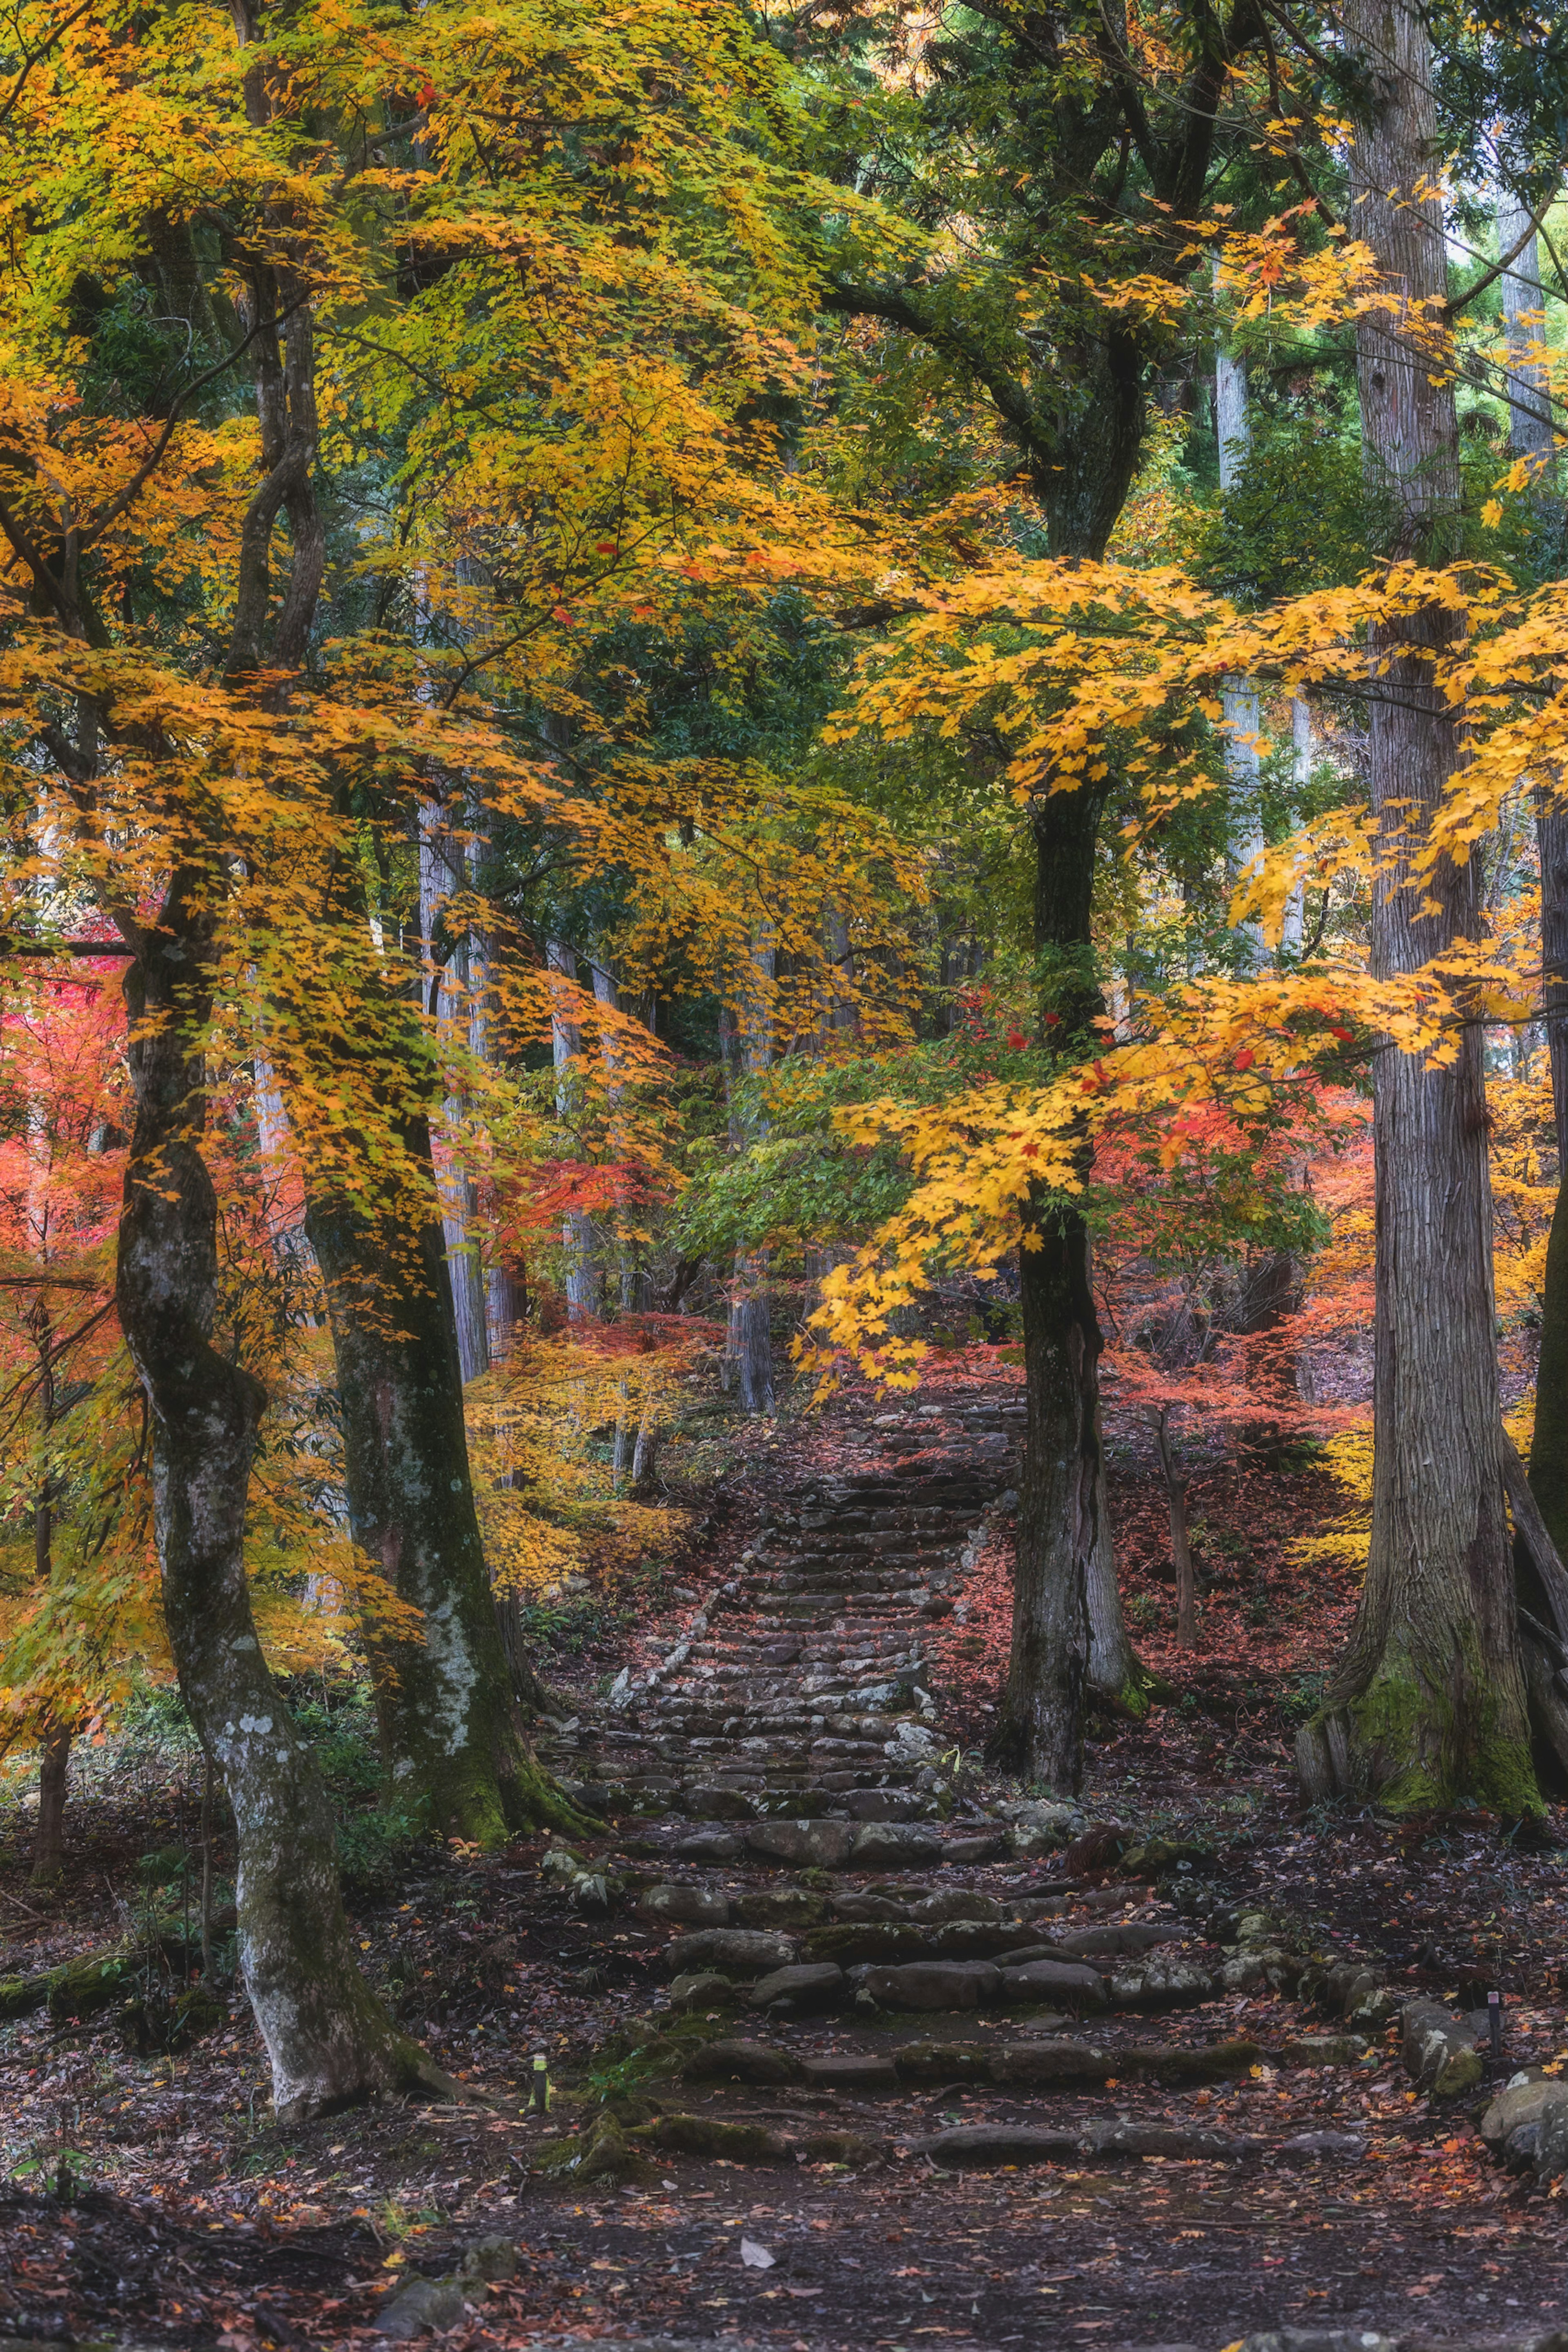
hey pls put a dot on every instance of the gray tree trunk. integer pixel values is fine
(1244, 832)
(1549, 1440)
(584, 1278)
(1064, 1586)
(443, 872)
(746, 1041)
(49, 1832)
(1429, 1707)
(328, 2039)
(1292, 938)
(1531, 435)
(444, 1703)
(1526, 383)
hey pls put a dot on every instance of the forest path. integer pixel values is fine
(1049, 2063)
(963, 2071)
(799, 1688)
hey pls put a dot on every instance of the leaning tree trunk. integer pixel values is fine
(1429, 1707)
(328, 2039)
(450, 1734)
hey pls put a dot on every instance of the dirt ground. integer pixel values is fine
(151, 2200)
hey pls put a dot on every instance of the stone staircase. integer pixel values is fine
(858, 1963)
(799, 1688)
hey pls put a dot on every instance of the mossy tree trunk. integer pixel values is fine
(451, 1736)
(1429, 1707)
(328, 2039)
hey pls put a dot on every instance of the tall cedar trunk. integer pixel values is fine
(328, 2039)
(1263, 1303)
(1531, 433)
(1549, 1443)
(451, 1742)
(450, 1736)
(1428, 1705)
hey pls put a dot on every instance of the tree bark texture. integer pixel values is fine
(1243, 717)
(1430, 1696)
(328, 2039)
(1063, 1524)
(49, 1833)
(455, 981)
(581, 1238)
(450, 1734)
(1549, 1442)
(1181, 1541)
(745, 1041)
(1040, 1734)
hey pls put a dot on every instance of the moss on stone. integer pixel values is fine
(702, 2136)
(943, 2061)
(600, 2153)
(841, 2148)
(1221, 2061)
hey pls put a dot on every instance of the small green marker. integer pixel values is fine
(540, 2103)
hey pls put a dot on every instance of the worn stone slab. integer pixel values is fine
(1056, 2058)
(819, 1845)
(746, 1951)
(740, 2062)
(717, 1846)
(1116, 1938)
(1161, 1984)
(697, 1906)
(1316, 2146)
(975, 2146)
(933, 1984)
(801, 1988)
(1128, 2140)
(1072, 1984)
(894, 1846)
(854, 2072)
